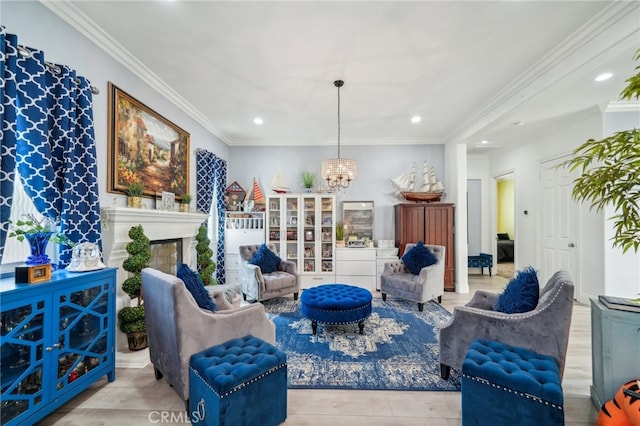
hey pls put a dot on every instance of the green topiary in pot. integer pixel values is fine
(206, 265)
(131, 318)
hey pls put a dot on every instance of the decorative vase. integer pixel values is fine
(307, 190)
(135, 202)
(38, 245)
(184, 208)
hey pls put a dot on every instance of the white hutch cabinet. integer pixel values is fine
(302, 226)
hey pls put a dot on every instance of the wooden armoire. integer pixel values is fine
(431, 223)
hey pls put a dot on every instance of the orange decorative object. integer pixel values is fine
(624, 408)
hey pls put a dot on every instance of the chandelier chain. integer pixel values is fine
(338, 121)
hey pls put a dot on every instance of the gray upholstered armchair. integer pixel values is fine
(177, 327)
(258, 286)
(544, 330)
(397, 280)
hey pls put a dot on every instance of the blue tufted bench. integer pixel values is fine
(508, 385)
(484, 260)
(240, 382)
(336, 304)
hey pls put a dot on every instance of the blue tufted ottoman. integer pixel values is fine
(239, 382)
(508, 385)
(336, 304)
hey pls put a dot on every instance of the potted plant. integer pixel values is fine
(206, 265)
(134, 195)
(308, 179)
(38, 232)
(339, 234)
(184, 203)
(610, 172)
(132, 321)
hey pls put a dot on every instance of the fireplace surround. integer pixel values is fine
(157, 225)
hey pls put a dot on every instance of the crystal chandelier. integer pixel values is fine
(339, 172)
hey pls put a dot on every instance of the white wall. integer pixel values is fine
(622, 271)
(525, 161)
(39, 28)
(376, 165)
(478, 167)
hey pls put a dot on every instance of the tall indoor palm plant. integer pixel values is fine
(610, 175)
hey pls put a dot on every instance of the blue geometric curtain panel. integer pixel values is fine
(54, 144)
(8, 109)
(211, 179)
(221, 203)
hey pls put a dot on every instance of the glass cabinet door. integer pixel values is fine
(81, 334)
(22, 353)
(309, 234)
(291, 249)
(274, 231)
(327, 231)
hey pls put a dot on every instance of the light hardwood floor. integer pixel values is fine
(136, 398)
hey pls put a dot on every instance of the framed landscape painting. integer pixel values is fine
(144, 147)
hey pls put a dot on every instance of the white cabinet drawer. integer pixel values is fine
(232, 277)
(232, 260)
(356, 254)
(242, 237)
(356, 267)
(311, 280)
(358, 280)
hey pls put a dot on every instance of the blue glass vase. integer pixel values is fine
(38, 244)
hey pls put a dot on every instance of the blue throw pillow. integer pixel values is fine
(521, 294)
(194, 284)
(267, 260)
(419, 257)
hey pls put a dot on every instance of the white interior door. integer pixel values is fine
(559, 221)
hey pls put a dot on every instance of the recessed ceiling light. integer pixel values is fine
(258, 121)
(484, 142)
(604, 76)
(416, 119)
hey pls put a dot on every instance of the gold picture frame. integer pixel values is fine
(145, 147)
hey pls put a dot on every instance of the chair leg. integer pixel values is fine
(439, 299)
(157, 373)
(489, 270)
(384, 297)
(444, 371)
(295, 296)
(420, 307)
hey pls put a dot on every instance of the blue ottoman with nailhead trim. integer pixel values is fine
(239, 382)
(509, 385)
(336, 304)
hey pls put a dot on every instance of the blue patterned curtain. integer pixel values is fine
(211, 183)
(48, 133)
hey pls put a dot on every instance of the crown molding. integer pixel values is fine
(349, 142)
(621, 106)
(612, 30)
(88, 28)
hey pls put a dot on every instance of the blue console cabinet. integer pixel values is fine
(57, 338)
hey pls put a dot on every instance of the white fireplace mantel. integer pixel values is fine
(157, 225)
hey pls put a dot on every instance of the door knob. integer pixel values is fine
(572, 245)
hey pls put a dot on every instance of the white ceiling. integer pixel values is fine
(469, 69)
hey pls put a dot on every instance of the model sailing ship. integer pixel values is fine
(278, 185)
(429, 190)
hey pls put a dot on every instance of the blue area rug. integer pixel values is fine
(398, 350)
